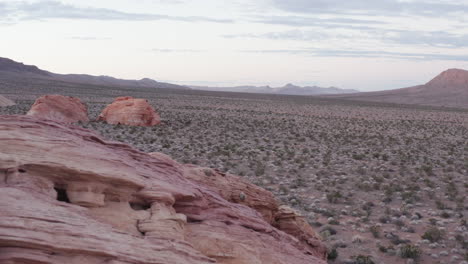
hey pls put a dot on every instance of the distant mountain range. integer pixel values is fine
(289, 89)
(450, 88)
(13, 67)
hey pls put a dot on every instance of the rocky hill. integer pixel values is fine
(8, 66)
(450, 88)
(92, 201)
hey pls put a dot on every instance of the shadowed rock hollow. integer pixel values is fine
(64, 109)
(130, 111)
(68, 196)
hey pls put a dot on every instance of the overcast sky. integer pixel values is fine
(358, 44)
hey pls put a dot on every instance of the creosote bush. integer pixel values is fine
(433, 234)
(363, 259)
(410, 251)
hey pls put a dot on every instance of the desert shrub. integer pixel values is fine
(334, 196)
(461, 239)
(332, 254)
(384, 219)
(410, 251)
(328, 230)
(398, 222)
(433, 234)
(260, 169)
(362, 259)
(382, 249)
(358, 156)
(428, 170)
(440, 205)
(375, 230)
(396, 240)
(445, 214)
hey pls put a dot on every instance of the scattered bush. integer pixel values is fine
(375, 230)
(332, 254)
(433, 234)
(410, 251)
(362, 259)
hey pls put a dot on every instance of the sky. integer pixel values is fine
(366, 45)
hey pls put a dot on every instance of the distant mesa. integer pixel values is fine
(130, 111)
(5, 101)
(59, 108)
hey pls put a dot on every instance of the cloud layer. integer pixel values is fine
(372, 7)
(364, 54)
(20, 11)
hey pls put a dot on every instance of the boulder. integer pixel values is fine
(130, 111)
(5, 101)
(64, 109)
(87, 200)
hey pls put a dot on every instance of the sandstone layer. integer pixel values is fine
(68, 196)
(130, 111)
(5, 101)
(64, 109)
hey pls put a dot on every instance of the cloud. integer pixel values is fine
(177, 50)
(364, 54)
(57, 10)
(305, 21)
(438, 39)
(299, 35)
(89, 38)
(372, 7)
(434, 38)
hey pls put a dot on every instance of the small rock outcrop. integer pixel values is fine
(130, 111)
(59, 108)
(86, 200)
(5, 101)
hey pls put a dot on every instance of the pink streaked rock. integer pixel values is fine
(68, 196)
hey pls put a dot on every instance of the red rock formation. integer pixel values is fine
(130, 111)
(89, 201)
(237, 190)
(5, 101)
(59, 108)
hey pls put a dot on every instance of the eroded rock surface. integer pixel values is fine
(68, 196)
(64, 109)
(130, 111)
